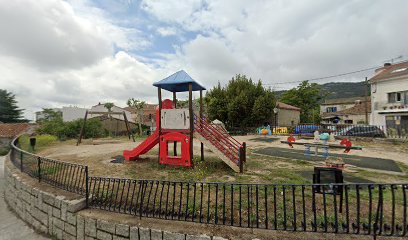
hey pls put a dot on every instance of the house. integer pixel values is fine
(287, 115)
(149, 114)
(8, 131)
(68, 113)
(389, 97)
(357, 113)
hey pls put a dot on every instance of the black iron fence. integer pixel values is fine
(364, 209)
(343, 130)
(368, 209)
(67, 176)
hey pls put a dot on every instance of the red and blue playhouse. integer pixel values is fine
(180, 126)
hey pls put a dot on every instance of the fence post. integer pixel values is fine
(21, 160)
(39, 168)
(244, 151)
(241, 159)
(86, 187)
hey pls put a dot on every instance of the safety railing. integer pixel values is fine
(366, 209)
(228, 145)
(64, 175)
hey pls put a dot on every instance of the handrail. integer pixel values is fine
(238, 144)
(214, 131)
(218, 132)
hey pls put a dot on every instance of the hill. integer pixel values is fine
(339, 89)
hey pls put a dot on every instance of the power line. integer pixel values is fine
(330, 76)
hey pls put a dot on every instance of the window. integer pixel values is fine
(348, 121)
(395, 97)
(331, 109)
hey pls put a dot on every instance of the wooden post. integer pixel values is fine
(159, 123)
(366, 101)
(82, 129)
(190, 109)
(201, 124)
(127, 127)
(175, 106)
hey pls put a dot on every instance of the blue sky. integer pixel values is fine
(57, 53)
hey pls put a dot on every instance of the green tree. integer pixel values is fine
(109, 106)
(139, 106)
(241, 103)
(9, 111)
(306, 96)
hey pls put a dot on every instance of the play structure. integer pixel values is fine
(180, 126)
(321, 142)
(100, 113)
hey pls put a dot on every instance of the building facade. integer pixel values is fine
(287, 115)
(354, 110)
(389, 94)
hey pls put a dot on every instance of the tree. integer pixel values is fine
(9, 111)
(138, 105)
(306, 96)
(241, 103)
(109, 106)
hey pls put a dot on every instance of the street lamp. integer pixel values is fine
(275, 111)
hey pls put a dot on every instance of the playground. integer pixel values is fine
(267, 161)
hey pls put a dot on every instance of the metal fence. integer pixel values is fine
(343, 130)
(363, 209)
(67, 176)
(367, 209)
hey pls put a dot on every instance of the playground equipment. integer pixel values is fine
(180, 126)
(99, 113)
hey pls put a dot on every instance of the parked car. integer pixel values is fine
(361, 131)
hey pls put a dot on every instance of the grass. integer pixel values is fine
(4, 151)
(43, 141)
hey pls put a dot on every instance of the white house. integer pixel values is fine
(389, 97)
(101, 108)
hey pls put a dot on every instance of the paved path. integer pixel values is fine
(11, 227)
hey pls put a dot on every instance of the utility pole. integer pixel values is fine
(366, 101)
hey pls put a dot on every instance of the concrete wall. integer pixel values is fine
(72, 113)
(285, 117)
(64, 218)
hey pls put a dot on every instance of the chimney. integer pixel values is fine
(387, 64)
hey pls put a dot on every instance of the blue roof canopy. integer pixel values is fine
(178, 82)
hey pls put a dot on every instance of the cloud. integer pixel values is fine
(167, 31)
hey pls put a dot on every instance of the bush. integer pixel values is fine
(4, 151)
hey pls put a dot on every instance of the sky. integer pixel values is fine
(57, 53)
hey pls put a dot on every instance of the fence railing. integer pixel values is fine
(358, 130)
(368, 209)
(363, 209)
(67, 176)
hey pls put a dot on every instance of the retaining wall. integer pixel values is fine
(60, 215)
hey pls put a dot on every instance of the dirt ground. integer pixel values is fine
(263, 169)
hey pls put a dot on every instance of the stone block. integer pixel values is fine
(76, 205)
(64, 207)
(200, 237)
(48, 199)
(106, 226)
(115, 237)
(71, 229)
(58, 223)
(67, 236)
(173, 236)
(57, 232)
(80, 226)
(219, 238)
(56, 212)
(144, 233)
(156, 234)
(89, 238)
(134, 233)
(90, 227)
(101, 235)
(71, 218)
(122, 230)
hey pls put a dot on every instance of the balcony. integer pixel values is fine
(385, 107)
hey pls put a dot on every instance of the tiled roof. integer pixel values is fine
(358, 109)
(392, 71)
(282, 105)
(10, 130)
(350, 100)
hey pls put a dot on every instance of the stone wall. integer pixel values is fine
(61, 216)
